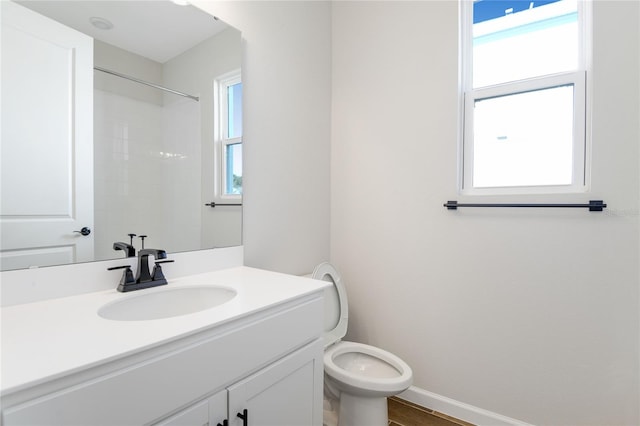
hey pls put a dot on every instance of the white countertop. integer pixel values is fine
(45, 340)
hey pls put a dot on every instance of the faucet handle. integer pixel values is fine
(157, 270)
(127, 277)
(113, 268)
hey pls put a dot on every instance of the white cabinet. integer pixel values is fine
(269, 364)
(198, 414)
(282, 394)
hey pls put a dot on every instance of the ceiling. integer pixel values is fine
(156, 29)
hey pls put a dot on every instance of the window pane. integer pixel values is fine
(233, 154)
(525, 139)
(234, 103)
(515, 39)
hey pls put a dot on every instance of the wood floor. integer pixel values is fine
(404, 413)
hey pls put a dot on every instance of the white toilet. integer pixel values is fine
(358, 377)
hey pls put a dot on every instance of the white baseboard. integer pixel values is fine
(457, 409)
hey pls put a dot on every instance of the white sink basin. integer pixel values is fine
(166, 303)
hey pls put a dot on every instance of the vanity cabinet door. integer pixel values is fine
(196, 415)
(212, 411)
(218, 408)
(286, 393)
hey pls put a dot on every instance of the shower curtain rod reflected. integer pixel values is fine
(117, 74)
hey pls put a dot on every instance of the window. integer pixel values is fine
(229, 101)
(524, 80)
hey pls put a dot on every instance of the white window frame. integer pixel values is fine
(579, 78)
(222, 139)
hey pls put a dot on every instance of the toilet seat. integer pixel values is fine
(367, 382)
(336, 307)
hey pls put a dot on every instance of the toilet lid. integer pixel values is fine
(336, 308)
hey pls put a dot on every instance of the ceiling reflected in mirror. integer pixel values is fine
(157, 30)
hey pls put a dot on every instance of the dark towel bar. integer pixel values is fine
(212, 204)
(593, 206)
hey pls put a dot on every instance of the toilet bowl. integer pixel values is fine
(358, 377)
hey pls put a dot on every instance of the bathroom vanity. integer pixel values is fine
(255, 359)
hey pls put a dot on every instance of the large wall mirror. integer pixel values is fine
(121, 117)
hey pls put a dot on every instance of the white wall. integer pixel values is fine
(194, 72)
(286, 77)
(529, 314)
(120, 60)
